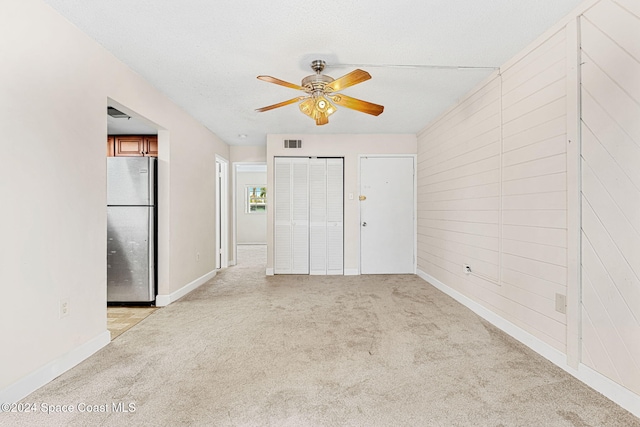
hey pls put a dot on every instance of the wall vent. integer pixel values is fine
(292, 143)
(117, 113)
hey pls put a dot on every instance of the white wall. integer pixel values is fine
(251, 228)
(248, 153)
(492, 194)
(55, 82)
(349, 147)
(499, 189)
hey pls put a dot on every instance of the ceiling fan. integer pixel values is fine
(321, 94)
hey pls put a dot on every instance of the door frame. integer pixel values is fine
(234, 202)
(222, 213)
(162, 208)
(415, 205)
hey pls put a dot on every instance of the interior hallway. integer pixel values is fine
(246, 349)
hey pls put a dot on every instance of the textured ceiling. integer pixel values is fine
(205, 54)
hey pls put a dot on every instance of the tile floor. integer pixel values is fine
(121, 319)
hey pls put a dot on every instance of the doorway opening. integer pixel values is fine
(250, 195)
(133, 247)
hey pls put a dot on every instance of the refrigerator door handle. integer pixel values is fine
(153, 180)
(152, 254)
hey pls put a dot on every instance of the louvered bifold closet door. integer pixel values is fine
(300, 215)
(326, 216)
(318, 216)
(335, 216)
(308, 216)
(282, 213)
(291, 207)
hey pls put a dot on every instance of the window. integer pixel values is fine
(256, 199)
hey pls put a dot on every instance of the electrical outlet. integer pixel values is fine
(466, 268)
(64, 307)
(561, 303)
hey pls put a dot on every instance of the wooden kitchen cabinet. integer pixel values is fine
(134, 145)
(151, 145)
(129, 145)
(111, 147)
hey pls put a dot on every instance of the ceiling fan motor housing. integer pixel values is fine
(318, 65)
(316, 82)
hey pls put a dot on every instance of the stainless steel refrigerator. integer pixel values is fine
(131, 229)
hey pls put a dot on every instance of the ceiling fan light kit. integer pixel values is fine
(320, 90)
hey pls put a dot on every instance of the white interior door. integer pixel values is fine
(318, 216)
(335, 216)
(326, 196)
(282, 214)
(291, 200)
(300, 216)
(222, 213)
(387, 215)
(218, 215)
(308, 212)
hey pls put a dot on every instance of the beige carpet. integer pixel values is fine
(250, 350)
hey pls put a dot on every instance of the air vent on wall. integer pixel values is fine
(116, 113)
(292, 143)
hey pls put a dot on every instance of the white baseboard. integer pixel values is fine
(27, 385)
(611, 389)
(521, 335)
(347, 272)
(614, 391)
(164, 300)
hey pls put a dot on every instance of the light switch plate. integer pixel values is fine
(64, 307)
(561, 303)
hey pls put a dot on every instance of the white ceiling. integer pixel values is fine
(205, 54)
(130, 126)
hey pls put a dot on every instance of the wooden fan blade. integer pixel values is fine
(353, 78)
(280, 82)
(357, 104)
(281, 104)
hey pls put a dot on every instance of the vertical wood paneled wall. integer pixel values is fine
(611, 190)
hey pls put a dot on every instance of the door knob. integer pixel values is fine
(364, 224)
